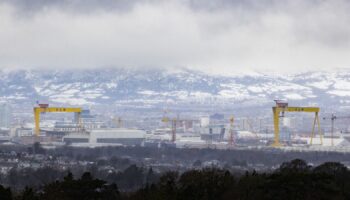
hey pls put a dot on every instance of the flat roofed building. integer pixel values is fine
(117, 135)
(108, 136)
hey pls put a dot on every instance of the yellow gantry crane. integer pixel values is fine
(43, 108)
(173, 127)
(282, 107)
(231, 140)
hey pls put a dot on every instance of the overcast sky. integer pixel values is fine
(221, 36)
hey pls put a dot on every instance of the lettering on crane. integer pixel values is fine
(60, 110)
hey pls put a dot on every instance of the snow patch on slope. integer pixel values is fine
(323, 85)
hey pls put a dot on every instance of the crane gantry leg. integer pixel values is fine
(316, 120)
(276, 122)
(37, 121)
(319, 129)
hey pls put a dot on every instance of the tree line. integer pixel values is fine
(136, 155)
(292, 180)
(132, 178)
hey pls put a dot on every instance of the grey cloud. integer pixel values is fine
(81, 6)
(209, 35)
(78, 6)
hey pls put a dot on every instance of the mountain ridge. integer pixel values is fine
(182, 87)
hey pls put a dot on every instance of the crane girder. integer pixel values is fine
(301, 109)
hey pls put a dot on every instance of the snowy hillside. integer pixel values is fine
(152, 87)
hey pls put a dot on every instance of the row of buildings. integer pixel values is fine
(92, 131)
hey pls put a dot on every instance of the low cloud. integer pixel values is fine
(216, 36)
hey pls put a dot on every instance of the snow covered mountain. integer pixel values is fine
(152, 88)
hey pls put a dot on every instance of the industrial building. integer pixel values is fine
(106, 137)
